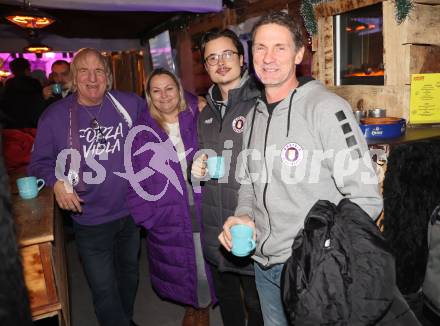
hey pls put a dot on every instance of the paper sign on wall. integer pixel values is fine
(425, 98)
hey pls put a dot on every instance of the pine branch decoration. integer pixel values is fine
(308, 14)
(403, 8)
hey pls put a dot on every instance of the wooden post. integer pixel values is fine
(185, 63)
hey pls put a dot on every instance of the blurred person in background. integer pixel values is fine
(60, 74)
(22, 102)
(40, 75)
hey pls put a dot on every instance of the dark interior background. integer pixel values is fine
(98, 24)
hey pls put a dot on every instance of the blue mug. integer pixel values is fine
(216, 167)
(242, 240)
(57, 89)
(28, 187)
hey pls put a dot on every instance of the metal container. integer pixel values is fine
(359, 114)
(377, 113)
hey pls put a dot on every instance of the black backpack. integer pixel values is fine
(341, 271)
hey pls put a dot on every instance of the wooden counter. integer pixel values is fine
(34, 218)
(40, 236)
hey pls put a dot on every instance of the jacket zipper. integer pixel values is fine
(265, 186)
(219, 185)
(223, 117)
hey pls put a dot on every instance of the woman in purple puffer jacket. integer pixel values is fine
(165, 203)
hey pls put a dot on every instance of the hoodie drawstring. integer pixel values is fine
(252, 126)
(288, 114)
(288, 119)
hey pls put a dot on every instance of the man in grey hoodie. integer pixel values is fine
(303, 145)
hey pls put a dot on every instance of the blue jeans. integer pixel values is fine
(109, 255)
(268, 286)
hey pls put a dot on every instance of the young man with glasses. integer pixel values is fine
(220, 128)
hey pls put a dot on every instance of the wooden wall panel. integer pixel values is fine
(422, 26)
(335, 7)
(323, 64)
(423, 59)
(411, 47)
(393, 46)
(401, 59)
(185, 62)
(259, 8)
(128, 71)
(415, 59)
(429, 2)
(395, 99)
(206, 23)
(329, 73)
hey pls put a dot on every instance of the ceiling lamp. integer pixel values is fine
(30, 17)
(37, 48)
(4, 74)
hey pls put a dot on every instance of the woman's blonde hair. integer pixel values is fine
(81, 55)
(155, 113)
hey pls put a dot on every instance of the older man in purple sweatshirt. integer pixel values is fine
(79, 151)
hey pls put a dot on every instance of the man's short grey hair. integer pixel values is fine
(81, 55)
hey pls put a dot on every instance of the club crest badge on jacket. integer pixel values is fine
(238, 124)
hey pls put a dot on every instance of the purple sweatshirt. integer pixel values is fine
(104, 195)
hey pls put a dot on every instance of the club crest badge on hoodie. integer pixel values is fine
(292, 154)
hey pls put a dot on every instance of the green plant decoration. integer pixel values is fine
(403, 8)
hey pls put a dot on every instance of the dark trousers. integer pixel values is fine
(109, 254)
(228, 287)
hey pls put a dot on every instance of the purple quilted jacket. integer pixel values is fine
(161, 206)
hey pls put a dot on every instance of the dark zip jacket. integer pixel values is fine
(223, 137)
(342, 272)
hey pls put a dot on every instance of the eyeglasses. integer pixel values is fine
(214, 58)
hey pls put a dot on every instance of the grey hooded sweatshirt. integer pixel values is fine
(309, 147)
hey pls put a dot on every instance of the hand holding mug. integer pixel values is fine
(47, 92)
(198, 168)
(243, 242)
(56, 88)
(216, 167)
(225, 237)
